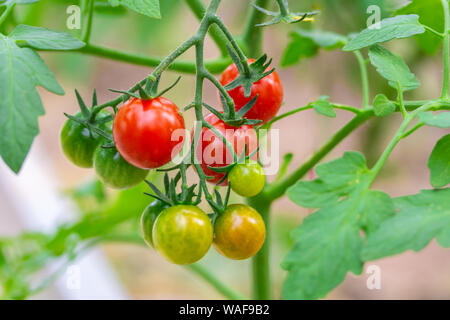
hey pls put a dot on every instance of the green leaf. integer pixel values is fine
(430, 14)
(149, 8)
(328, 243)
(305, 44)
(327, 246)
(421, 218)
(392, 68)
(439, 163)
(440, 120)
(323, 106)
(44, 39)
(22, 70)
(9, 2)
(382, 106)
(397, 27)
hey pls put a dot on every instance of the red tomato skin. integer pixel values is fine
(238, 136)
(269, 90)
(142, 131)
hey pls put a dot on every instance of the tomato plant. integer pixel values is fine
(349, 223)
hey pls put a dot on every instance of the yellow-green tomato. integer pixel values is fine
(148, 219)
(247, 179)
(183, 234)
(239, 232)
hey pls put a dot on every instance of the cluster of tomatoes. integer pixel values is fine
(143, 133)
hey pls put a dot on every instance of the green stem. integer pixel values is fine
(398, 136)
(435, 32)
(413, 129)
(215, 283)
(446, 56)
(285, 115)
(252, 35)
(261, 261)
(308, 107)
(213, 66)
(7, 12)
(400, 100)
(283, 9)
(87, 16)
(364, 79)
(199, 9)
(276, 190)
(229, 36)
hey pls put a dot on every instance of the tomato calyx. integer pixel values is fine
(284, 15)
(170, 196)
(149, 91)
(243, 158)
(248, 76)
(89, 117)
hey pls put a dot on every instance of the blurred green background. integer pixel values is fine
(143, 273)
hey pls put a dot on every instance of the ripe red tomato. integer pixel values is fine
(268, 89)
(143, 130)
(211, 151)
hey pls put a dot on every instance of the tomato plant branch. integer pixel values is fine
(261, 261)
(401, 134)
(435, 32)
(199, 9)
(87, 17)
(252, 36)
(234, 44)
(364, 79)
(308, 107)
(283, 10)
(9, 8)
(213, 66)
(446, 52)
(276, 190)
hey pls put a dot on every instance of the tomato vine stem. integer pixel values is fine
(252, 36)
(7, 12)
(364, 79)
(87, 9)
(445, 53)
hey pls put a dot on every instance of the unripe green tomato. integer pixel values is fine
(247, 179)
(148, 219)
(239, 232)
(114, 171)
(78, 144)
(183, 234)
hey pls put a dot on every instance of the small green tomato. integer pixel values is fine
(247, 179)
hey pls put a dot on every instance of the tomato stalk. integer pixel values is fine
(364, 79)
(261, 261)
(87, 9)
(252, 36)
(7, 12)
(199, 9)
(445, 53)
